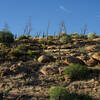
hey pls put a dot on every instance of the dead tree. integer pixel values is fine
(28, 28)
(54, 35)
(6, 28)
(85, 29)
(62, 29)
(48, 29)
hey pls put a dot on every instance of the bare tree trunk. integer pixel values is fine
(48, 29)
(85, 29)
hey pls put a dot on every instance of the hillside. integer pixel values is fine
(30, 66)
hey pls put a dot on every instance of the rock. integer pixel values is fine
(49, 70)
(83, 58)
(66, 47)
(20, 63)
(5, 71)
(13, 68)
(93, 48)
(45, 59)
(67, 78)
(52, 47)
(91, 62)
(96, 39)
(61, 69)
(73, 60)
(96, 56)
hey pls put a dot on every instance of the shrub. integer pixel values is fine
(50, 37)
(66, 39)
(2, 50)
(57, 92)
(83, 36)
(49, 42)
(6, 37)
(91, 36)
(34, 53)
(22, 47)
(21, 37)
(74, 35)
(16, 53)
(62, 34)
(41, 41)
(76, 71)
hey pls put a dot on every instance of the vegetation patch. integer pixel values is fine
(76, 71)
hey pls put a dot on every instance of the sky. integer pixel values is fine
(74, 13)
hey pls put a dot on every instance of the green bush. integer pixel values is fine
(83, 36)
(57, 92)
(6, 37)
(50, 37)
(34, 53)
(2, 50)
(21, 37)
(41, 41)
(91, 36)
(76, 71)
(16, 53)
(74, 35)
(66, 39)
(62, 34)
(22, 47)
(49, 42)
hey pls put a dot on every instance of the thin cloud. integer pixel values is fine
(64, 9)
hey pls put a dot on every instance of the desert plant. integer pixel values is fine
(50, 37)
(6, 37)
(59, 93)
(49, 42)
(74, 35)
(3, 50)
(66, 39)
(76, 71)
(21, 37)
(62, 34)
(22, 47)
(16, 53)
(91, 36)
(34, 53)
(41, 41)
(83, 36)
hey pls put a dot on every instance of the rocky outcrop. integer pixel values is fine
(96, 56)
(49, 70)
(93, 48)
(91, 62)
(73, 60)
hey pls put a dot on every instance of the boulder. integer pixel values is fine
(96, 56)
(49, 70)
(73, 60)
(91, 62)
(83, 58)
(45, 59)
(66, 47)
(92, 48)
(61, 70)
